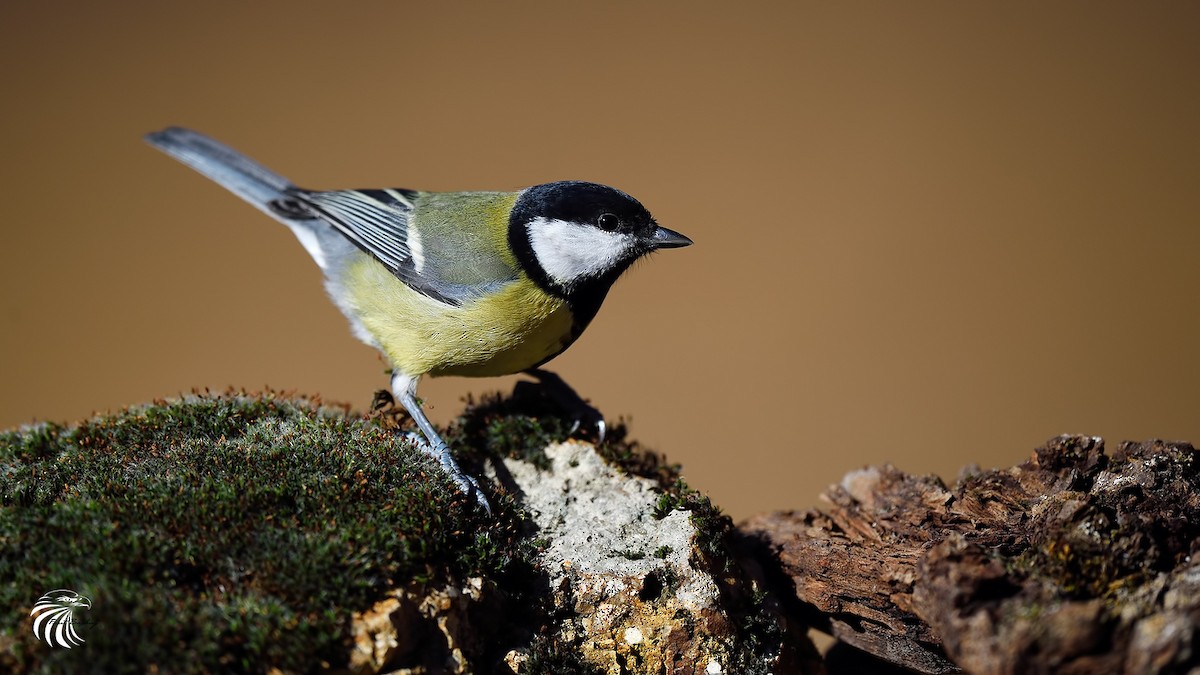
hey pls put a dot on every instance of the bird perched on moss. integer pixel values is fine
(450, 283)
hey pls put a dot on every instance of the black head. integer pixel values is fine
(576, 238)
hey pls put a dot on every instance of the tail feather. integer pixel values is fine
(232, 170)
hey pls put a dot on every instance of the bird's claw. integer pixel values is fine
(598, 425)
(470, 487)
(441, 454)
(582, 412)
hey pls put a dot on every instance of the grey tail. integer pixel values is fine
(239, 174)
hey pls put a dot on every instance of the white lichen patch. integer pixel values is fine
(628, 576)
(598, 519)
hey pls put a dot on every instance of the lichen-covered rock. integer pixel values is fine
(635, 594)
(631, 581)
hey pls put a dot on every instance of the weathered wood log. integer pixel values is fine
(1074, 561)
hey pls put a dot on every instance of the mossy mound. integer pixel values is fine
(245, 533)
(222, 533)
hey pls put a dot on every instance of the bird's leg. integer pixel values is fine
(572, 401)
(404, 388)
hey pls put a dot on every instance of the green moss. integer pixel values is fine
(224, 533)
(520, 427)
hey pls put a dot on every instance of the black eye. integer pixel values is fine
(608, 221)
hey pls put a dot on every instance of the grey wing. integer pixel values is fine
(377, 221)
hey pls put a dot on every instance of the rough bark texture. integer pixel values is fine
(1075, 561)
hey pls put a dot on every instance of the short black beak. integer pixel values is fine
(664, 238)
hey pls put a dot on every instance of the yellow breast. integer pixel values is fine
(507, 332)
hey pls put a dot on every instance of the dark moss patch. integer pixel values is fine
(522, 424)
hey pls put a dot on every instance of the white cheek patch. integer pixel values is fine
(569, 251)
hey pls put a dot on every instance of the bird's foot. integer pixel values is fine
(440, 453)
(584, 416)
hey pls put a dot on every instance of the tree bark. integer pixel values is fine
(1074, 561)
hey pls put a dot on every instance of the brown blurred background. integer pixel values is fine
(926, 233)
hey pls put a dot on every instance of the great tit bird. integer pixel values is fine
(450, 283)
